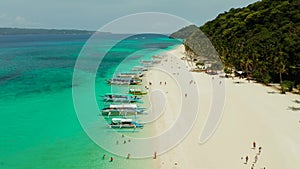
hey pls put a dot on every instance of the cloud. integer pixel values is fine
(16, 21)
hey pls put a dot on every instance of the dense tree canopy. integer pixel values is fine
(262, 38)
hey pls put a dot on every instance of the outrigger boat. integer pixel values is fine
(136, 92)
(130, 75)
(124, 81)
(124, 123)
(139, 68)
(122, 110)
(157, 57)
(149, 63)
(110, 97)
(156, 61)
(146, 62)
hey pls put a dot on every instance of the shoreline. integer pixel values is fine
(251, 114)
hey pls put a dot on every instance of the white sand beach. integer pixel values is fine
(252, 112)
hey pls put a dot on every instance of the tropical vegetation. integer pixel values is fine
(262, 39)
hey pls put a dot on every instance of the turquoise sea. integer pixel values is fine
(38, 124)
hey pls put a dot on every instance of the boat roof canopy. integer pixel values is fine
(123, 106)
(121, 120)
(133, 90)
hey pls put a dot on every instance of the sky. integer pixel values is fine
(94, 14)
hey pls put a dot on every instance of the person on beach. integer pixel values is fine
(255, 159)
(117, 142)
(259, 150)
(128, 156)
(122, 135)
(159, 83)
(249, 77)
(185, 95)
(247, 158)
(103, 157)
(111, 159)
(165, 83)
(155, 154)
(254, 145)
(124, 141)
(252, 167)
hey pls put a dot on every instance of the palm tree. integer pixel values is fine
(280, 61)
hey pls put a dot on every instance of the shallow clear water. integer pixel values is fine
(38, 125)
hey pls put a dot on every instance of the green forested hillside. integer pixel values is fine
(262, 38)
(184, 32)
